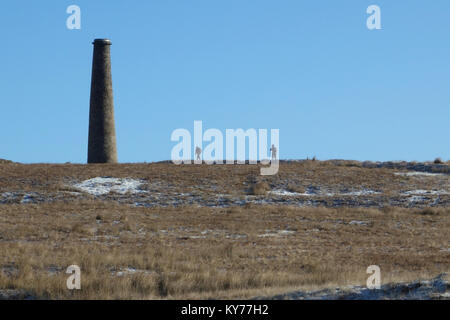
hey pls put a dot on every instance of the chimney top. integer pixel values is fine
(102, 42)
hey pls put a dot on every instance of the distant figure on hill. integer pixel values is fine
(198, 152)
(274, 151)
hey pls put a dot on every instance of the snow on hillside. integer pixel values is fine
(104, 185)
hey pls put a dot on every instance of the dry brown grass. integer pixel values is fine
(196, 252)
(192, 252)
(234, 180)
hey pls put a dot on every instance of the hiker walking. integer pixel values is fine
(198, 152)
(274, 151)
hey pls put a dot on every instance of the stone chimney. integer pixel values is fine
(102, 132)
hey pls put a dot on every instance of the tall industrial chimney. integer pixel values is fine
(102, 132)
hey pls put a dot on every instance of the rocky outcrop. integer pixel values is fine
(435, 289)
(10, 294)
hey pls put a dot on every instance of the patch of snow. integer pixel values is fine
(278, 233)
(236, 236)
(28, 198)
(8, 196)
(129, 271)
(426, 192)
(280, 192)
(72, 192)
(197, 237)
(360, 223)
(104, 185)
(363, 192)
(418, 173)
(286, 232)
(417, 199)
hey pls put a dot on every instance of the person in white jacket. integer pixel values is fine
(274, 151)
(198, 152)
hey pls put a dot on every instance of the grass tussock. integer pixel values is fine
(434, 211)
(259, 188)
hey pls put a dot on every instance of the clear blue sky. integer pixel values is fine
(309, 68)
